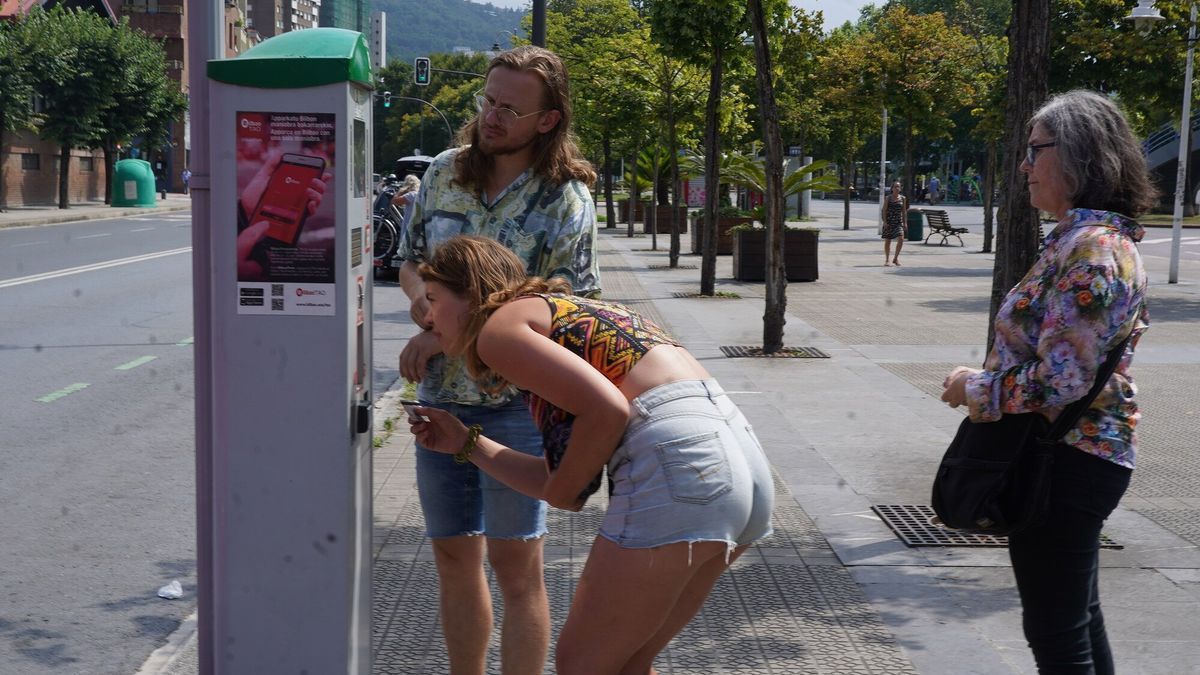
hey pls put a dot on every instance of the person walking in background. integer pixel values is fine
(935, 187)
(895, 215)
(690, 488)
(518, 178)
(1083, 296)
(185, 177)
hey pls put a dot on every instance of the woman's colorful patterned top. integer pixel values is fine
(1084, 294)
(611, 338)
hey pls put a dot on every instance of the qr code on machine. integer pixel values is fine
(277, 290)
(276, 304)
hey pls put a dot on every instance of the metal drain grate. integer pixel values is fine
(718, 295)
(916, 525)
(741, 351)
(677, 267)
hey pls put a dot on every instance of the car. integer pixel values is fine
(387, 220)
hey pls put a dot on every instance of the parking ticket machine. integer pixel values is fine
(289, 142)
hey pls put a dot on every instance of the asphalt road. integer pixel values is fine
(96, 439)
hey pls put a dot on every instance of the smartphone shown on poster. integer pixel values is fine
(284, 204)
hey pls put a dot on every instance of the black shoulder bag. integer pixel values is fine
(995, 476)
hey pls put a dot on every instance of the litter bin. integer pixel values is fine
(916, 225)
(133, 183)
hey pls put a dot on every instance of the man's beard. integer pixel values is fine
(489, 150)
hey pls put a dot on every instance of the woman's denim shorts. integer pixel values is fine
(459, 499)
(689, 468)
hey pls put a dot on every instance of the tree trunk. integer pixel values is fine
(634, 192)
(910, 176)
(1027, 85)
(3, 194)
(673, 149)
(989, 187)
(712, 162)
(774, 316)
(610, 211)
(109, 161)
(64, 173)
(650, 214)
(847, 184)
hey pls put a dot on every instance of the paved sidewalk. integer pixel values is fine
(834, 590)
(24, 216)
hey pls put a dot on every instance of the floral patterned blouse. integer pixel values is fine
(1085, 293)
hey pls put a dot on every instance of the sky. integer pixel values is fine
(836, 12)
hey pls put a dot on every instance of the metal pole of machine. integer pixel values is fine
(539, 23)
(205, 41)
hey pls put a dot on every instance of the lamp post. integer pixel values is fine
(1143, 17)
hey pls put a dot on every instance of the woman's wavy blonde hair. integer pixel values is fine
(487, 275)
(556, 157)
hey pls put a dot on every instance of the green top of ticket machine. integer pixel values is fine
(297, 59)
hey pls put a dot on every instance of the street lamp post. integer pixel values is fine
(1143, 16)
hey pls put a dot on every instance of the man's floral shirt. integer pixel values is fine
(1082, 297)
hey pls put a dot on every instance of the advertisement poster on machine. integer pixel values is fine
(286, 237)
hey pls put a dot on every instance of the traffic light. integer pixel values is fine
(387, 99)
(421, 70)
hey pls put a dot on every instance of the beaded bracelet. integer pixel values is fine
(463, 456)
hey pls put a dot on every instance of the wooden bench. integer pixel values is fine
(939, 224)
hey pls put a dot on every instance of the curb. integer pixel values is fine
(66, 216)
(179, 642)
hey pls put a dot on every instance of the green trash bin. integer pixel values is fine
(133, 183)
(916, 225)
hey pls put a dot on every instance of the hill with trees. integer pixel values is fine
(424, 27)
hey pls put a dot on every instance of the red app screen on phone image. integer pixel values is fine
(284, 204)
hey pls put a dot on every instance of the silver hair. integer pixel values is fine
(1101, 160)
(410, 184)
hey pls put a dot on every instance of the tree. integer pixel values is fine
(16, 96)
(853, 108)
(925, 75)
(707, 33)
(73, 43)
(1027, 87)
(142, 100)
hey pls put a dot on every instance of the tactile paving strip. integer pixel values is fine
(668, 267)
(744, 351)
(916, 526)
(718, 295)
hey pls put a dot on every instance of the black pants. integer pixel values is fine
(1057, 566)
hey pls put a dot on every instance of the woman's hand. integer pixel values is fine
(955, 386)
(441, 433)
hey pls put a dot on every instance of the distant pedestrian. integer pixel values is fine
(689, 486)
(935, 187)
(186, 177)
(895, 215)
(1083, 296)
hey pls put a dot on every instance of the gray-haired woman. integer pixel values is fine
(1082, 297)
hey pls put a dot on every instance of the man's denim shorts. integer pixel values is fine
(689, 468)
(459, 499)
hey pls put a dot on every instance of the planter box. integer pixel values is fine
(799, 251)
(663, 214)
(724, 239)
(639, 211)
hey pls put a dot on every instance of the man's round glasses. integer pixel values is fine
(1031, 151)
(506, 116)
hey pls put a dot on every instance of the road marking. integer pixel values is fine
(94, 236)
(55, 395)
(186, 342)
(29, 243)
(91, 268)
(140, 361)
(144, 229)
(1164, 240)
